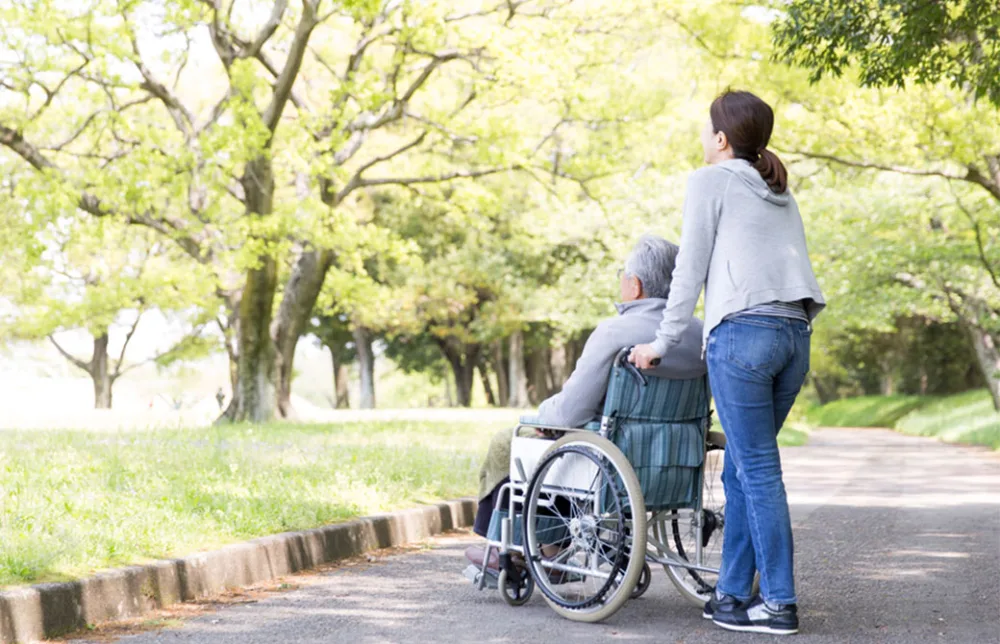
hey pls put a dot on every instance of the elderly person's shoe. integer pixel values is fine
(475, 554)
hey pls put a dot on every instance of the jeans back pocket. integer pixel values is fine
(754, 343)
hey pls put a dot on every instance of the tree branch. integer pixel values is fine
(13, 140)
(283, 85)
(979, 241)
(509, 6)
(386, 157)
(437, 60)
(409, 181)
(51, 94)
(355, 180)
(221, 40)
(370, 121)
(353, 65)
(452, 136)
(272, 24)
(92, 204)
(972, 174)
(216, 113)
(86, 366)
(128, 337)
(86, 123)
(699, 39)
(182, 117)
(159, 356)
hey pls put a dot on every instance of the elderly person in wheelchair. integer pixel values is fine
(645, 284)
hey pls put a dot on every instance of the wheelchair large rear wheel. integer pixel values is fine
(585, 527)
(680, 531)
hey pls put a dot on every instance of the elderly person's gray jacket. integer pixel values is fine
(582, 397)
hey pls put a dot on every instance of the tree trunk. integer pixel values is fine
(100, 374)
(887, 381)
(464, 371)
(826, 394)
(539, 385)
(463, 359)
(484, 375)
(254, 398)
(340, 393)
(987, 358)
(518, 381)
(366, 365)
(574, 348)
(558, 366)
(231, 332)
(447, 391)
(503, 381)
(297, 303)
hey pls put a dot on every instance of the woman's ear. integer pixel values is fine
(721, 141)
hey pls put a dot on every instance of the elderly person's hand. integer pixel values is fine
(643, 356)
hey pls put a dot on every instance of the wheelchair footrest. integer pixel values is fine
(474, 574)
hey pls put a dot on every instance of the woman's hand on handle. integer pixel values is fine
(643, 356)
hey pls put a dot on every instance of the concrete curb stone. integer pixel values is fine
(49, 610)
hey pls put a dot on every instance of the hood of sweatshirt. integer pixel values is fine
(752, 179)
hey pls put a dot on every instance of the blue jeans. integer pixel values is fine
(756, 366)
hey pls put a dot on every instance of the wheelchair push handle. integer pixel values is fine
(622, 361)
(627, 351)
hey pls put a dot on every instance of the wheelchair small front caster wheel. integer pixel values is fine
(642, 585)
(516, 592)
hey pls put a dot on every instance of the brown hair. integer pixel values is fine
(747, 122)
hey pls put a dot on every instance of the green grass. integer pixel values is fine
(72, 502)
(963, 418)
(793, 436)
(865, 411)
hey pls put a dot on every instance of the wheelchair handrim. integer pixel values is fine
(620, 562)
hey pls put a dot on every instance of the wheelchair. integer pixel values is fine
(585, 517)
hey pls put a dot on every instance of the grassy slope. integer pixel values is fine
(865, 411)
(963, 418)
(72, 502)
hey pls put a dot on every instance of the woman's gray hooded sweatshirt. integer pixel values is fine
(744, 243)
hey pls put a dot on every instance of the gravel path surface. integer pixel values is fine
(897, 540)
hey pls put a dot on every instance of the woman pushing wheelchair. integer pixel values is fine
(743, 241)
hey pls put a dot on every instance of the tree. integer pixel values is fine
(940, 132)
(249, 150)
(97, 276)
(486, 265)
(334, 333)
(893, 42)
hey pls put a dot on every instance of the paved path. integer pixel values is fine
(897, 540)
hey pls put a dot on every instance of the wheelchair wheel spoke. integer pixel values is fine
(591, 519)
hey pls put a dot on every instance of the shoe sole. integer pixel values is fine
(767, 630)
(707, 615)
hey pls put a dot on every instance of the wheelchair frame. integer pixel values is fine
(657, 552)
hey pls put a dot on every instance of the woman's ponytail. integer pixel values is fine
(772, 170)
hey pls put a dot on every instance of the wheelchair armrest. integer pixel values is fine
(551, 428)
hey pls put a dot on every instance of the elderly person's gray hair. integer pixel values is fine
(652, 260)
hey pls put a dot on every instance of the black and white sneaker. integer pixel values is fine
(760, 617)
(720, 602)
